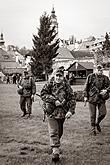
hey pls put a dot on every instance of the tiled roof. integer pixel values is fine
(64, 53)
(12, 55)
(87, 65)
(81, 66)
(11, 64)
(82, 54)
(7, 56)
(3, 55)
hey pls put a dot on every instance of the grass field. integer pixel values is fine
(26, 141)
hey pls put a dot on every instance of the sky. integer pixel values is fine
(19, 19)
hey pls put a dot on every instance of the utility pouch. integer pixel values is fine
(20, 91)
(94, 90)
(105, 96)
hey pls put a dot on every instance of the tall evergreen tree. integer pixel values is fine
(106, 46)
(45, 47)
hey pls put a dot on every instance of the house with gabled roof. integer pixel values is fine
(83, 56)
(80, 71)
(64, 58)
(8, 63)
(8, 59)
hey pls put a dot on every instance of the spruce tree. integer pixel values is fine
(106, 46)
(45, 47)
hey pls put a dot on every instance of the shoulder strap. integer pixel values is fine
(20, 80)
(30, 80)
(92, 76)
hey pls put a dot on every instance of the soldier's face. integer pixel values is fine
(25, 75)
(99, 71)
(59, 78)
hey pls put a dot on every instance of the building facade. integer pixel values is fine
(11, 61)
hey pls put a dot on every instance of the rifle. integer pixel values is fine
(44, 114)
(85, 102)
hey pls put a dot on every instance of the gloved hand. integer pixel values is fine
(85, 99)
(68, 115)
(103, 92)
(57, 103)
(20, 87)
(32, 97)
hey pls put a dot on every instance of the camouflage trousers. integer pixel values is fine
(93, 112)
(26, 103)
(55, 127)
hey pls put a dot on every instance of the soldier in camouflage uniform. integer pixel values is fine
(27, 84)
(59, 101)
(96, 87)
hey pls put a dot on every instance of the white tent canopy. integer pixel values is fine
(1, 74)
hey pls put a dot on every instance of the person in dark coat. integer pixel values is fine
(96, 92)
(59, 103)
(7, 79)
(27, 84)
(14, 79)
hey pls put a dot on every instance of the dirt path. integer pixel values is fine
(26, 142)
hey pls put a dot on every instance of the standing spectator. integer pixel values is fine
(59, 103)
(71, 78)
(27, 84)
(7, 79)
(14, 78)
(96, 91)
(17, 78)
(50, 74)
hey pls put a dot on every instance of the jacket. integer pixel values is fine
(28, 85)
(93, 86)
(62, 92)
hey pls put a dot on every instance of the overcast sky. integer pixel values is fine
(19, 19)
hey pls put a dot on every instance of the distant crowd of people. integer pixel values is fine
(13, 79)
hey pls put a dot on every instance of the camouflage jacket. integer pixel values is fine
(100, 82)
(62, 92)
(28, 85)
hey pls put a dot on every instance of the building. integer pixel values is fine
(64, 58)
(10, 60)
(80, 71)
(83, 56)
(54, 21)
(2, 42)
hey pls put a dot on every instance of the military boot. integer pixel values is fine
(98, 127)
(55, 155)
(24, 113)
(93, 131)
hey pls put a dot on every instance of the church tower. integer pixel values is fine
(54, 21)
(2, 42)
